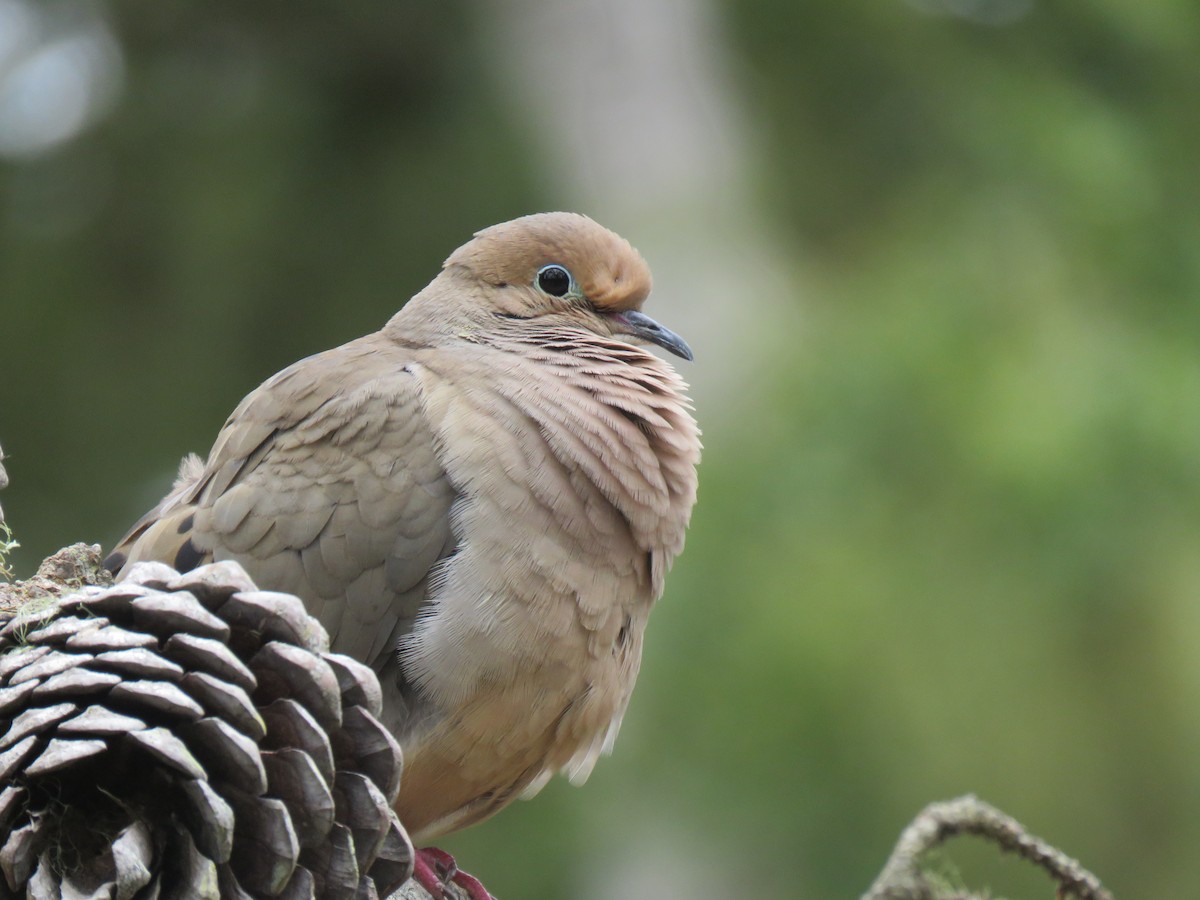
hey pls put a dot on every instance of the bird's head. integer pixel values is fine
(559, 269)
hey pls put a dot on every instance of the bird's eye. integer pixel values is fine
(554, 280)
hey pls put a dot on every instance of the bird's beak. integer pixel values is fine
(640, 325)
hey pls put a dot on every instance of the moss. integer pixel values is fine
(66, 571)
(7, 545)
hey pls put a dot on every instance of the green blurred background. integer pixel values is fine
(938, 261)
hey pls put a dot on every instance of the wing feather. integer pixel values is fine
(326, 482)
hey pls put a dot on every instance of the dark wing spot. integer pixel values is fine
(623, 635)
(115, 561)
(188, 557)
(186, 524)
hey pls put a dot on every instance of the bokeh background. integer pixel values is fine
(939, 263)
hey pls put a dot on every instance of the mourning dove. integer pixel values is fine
(481, 500)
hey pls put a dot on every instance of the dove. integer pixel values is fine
(481, 501)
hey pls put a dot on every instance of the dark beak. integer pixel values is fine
(641, 325)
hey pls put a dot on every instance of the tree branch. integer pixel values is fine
(903, 879)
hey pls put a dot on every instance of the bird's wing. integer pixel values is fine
(325, 482)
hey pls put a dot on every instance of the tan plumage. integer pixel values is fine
(481, 500)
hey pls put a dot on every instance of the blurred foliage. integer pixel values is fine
(948, 543)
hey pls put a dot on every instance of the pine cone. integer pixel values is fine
(191, 736)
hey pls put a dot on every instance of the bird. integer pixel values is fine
(481, 501)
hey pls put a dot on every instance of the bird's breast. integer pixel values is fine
(575, 479)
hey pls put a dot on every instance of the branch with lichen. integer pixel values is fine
(903, 878)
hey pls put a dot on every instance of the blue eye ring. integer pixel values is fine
(554, 280)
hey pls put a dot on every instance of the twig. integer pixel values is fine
(902, 878)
